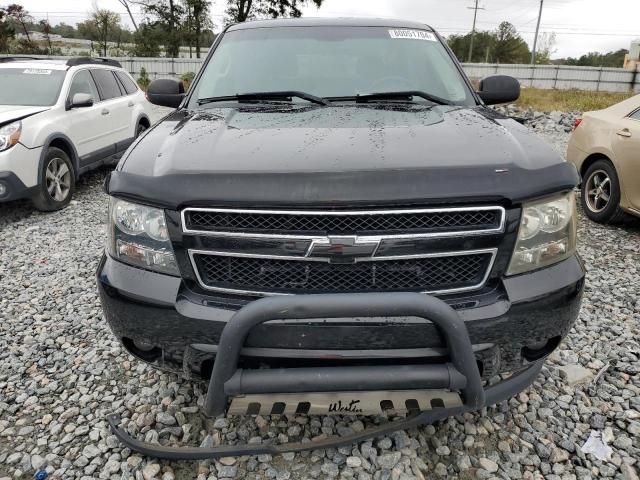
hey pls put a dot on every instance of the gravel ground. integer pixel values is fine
(61, 372)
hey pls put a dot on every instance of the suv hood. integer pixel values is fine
(293, 155)
(10, 113)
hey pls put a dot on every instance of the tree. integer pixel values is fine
(503, 45)
(46, 29)
(243, 10)
(483, 46)
(168, 15)
(6, 32)
(509, 46)
(197, 21)
(546, 48)
(21, 16)
(65, 30)
(87, 30)
(105, 22)
(125, 4)
(143, 80)
(596, 59)
(147, 41)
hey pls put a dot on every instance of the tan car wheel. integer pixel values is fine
(601, 193)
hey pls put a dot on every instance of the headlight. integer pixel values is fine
(9, 135)
(547, 234)
(138, 236)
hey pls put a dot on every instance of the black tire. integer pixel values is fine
(54, 195)
(593, 203)
(140, 129)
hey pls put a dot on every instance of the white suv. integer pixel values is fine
(61, 118)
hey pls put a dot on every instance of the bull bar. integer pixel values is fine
(460, 374)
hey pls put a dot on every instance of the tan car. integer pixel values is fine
(605, 148)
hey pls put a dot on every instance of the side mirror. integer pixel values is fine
(166, 92)
(499, 89)
(80, 100)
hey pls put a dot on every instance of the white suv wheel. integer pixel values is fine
(58, 179)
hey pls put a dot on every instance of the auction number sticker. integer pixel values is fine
(37, 71)
(412, 34)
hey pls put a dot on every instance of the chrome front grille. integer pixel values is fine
(354, 222)
(259, 253)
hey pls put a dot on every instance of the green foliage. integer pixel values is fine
(22, 46)
(197, 20)
(243, 10)
(596, 59)
(7, 31)
(482, 46)
(545, 48)
(143, 79)
(147, 41)
(20, 16)
(187, 78)
(509, 47)
(168, 16)
(104, 23)
(503, 45)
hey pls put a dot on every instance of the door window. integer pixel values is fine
(635, 115)
(128, 84)
(83, 83)
(107, 84)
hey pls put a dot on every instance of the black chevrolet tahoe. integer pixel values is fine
(332, 220)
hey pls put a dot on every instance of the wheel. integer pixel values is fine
(601, 193)
(140, 128)
(58, 181)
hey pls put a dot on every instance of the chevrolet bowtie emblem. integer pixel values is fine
(343, 249)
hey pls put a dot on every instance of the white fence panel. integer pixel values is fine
(561, 77)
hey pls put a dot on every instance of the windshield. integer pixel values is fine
(331, 62)
(30, 86)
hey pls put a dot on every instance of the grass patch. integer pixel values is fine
(568, 100)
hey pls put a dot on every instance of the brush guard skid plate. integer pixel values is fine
(460, 375)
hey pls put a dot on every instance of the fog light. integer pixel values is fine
(3, 189)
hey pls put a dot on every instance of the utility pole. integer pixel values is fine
(473, 29)
(535, 40)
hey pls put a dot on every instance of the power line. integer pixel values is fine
(473, 29)
(580, 34)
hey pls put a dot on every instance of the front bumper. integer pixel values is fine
(461, 372)
(12, 188)
(19, 167)
(510, 327)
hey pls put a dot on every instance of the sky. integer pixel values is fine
(580, 26)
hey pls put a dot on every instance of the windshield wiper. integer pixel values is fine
(407, 96)
(257, 96)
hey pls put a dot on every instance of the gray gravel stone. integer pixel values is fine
(489, 465)
(389, 460)
(62, 371)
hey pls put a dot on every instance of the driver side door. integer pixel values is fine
(626, 149)
(88, 126)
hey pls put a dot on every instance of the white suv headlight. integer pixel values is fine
(138, 236)
(9, 135)
(547, 234)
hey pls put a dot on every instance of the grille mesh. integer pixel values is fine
(291, 276)
(305, 224)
